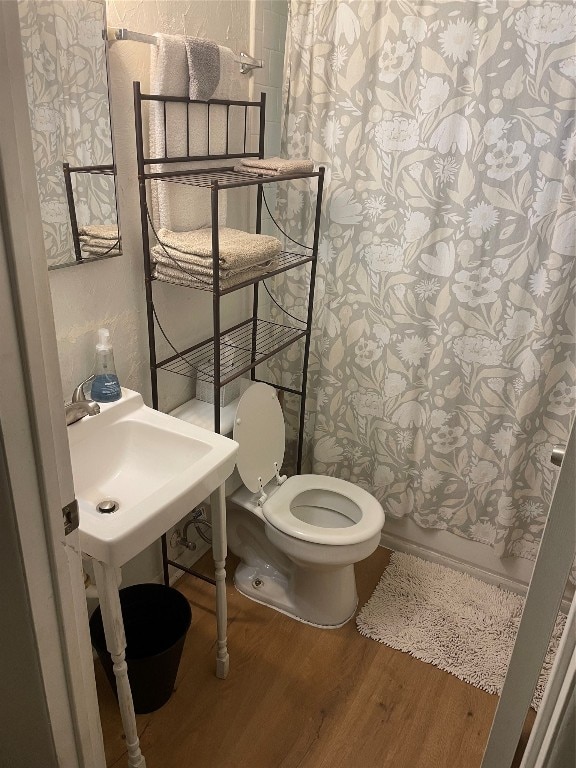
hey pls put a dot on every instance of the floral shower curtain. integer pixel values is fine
(442, 363)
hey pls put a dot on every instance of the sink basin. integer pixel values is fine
(154, 467)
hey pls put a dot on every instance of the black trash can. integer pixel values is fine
(156, 620)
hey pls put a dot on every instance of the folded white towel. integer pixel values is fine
(98, 241)
(100, 250)
(170, 257)
(100, 231)
(174, 275)
(275, 165)
(236, 248)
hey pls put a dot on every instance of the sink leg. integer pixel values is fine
(107, 586)
(219, 550)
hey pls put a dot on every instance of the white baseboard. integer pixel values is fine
(445, 548)
(472, 557)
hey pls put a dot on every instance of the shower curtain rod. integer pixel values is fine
(114, 34)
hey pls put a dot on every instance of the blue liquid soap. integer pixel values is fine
(105, 387)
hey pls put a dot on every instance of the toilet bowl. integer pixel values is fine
(297, 538)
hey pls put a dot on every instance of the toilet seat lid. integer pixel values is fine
(259, 431)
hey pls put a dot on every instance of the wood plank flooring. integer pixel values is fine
(300, 697)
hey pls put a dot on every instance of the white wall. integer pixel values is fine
(268, 28)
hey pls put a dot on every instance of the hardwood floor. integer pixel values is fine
(300, 697)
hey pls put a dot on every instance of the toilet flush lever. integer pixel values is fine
(279, 478)
(263, 495)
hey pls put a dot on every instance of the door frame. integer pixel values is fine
(34, 430)
(541, 607)
(554, 716)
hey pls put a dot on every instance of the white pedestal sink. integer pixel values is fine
(156, 469)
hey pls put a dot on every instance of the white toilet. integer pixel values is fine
(298, 538)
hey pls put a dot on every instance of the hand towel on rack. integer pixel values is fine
(236, 248)
(174, 133)
(212, 75)
(274, 165)
(175, 275)
(203, 67)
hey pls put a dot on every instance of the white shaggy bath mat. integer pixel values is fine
(450, 619)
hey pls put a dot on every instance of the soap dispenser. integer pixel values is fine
(105, 387)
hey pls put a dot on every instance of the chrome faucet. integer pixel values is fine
(80, 405)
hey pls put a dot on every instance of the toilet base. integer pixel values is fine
(280, 592)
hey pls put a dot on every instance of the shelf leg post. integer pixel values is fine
(164, 547)
(254, 330)
(309, 320)
(256, 285)
(259, 196)
(145, 242)
(262, 126)
(107, 586)
(261, 143)
(219, 550)
(72, 211)
(216, 304)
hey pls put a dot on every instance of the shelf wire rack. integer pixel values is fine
(225, 178)
(243, 347)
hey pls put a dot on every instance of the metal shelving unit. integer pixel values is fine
(255, 339)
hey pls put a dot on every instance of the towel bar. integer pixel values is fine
(114, 34)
